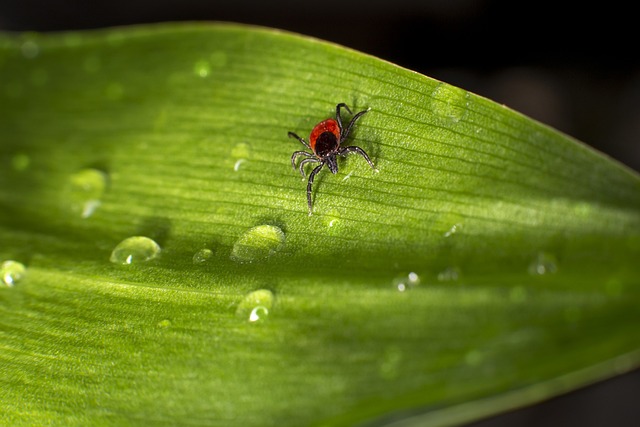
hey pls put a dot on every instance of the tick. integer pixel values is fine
(325, 143)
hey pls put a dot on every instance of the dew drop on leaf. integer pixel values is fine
(449, 103)
(202, 69)
(255, 306)
(12, 272)
(134, 250)
(449, 274)
(543, 263)
(258, 243)
(202, 256)
(84, 191)
(404, 282)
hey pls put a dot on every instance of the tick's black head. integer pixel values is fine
(330, 160)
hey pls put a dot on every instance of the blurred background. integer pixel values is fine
(572, 66)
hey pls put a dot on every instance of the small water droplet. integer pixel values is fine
(202, 68)
(133, 250)
(544, 263)
(332, 220)
(258, 243)
(236, 166)
(449, 274)
(449, 103)
(255, 306)
(12, 272)
(164, 324)
(202, 256)
(84, 190)
(20, 162)
(114, 91)
(455, 228)
(405, 282)
(241, 150)
(29, 49)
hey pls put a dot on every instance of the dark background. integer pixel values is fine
(575, 67)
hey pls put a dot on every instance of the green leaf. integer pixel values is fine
(489, 262)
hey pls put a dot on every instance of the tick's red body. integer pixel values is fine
(325, 142)
(322, 144)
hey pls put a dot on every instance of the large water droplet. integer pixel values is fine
(84, 191)
(404, 282)
(134, 250)
(12, 272)
(20, 162)
(449, 103)
(449, 274)
(544, 263)
(29, 49)
(202, 68)
(202, 256)
(255, 306)
(258, 243)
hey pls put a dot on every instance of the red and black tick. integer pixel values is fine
(325, 142)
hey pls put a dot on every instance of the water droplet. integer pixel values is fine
(240, 152)
(258, 243)
(449, 103)
(202, 68)
(12, 272)
(164, 324)
(453, 230)
(202, 256)
(332, 220)
(255, 306)
(20, 162)
(236, 166)
(29, 49)
(449, 274)
(544, 263)
(405, 282)
(84, 190)
(258, 313)
(133, 250)
(114, 91)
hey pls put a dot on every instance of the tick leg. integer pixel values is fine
(295, 155)
(338, 117)
(311, 177)
(353, 149)
(302, 141)
(344, 134)
(305, 161)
